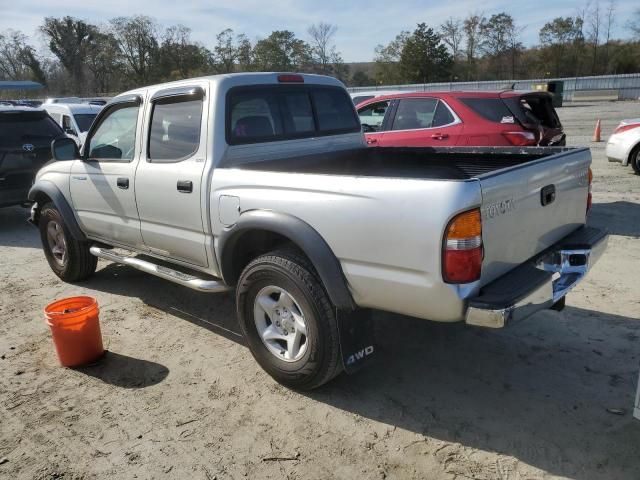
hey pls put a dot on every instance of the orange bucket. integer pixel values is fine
(75, 328)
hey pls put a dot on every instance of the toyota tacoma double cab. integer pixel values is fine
(262, 184)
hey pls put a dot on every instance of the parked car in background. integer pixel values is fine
(426, 119)
(74, 118)
(359, 97)
(624, 144)
(25, 146)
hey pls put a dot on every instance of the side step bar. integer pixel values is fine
(184, 279)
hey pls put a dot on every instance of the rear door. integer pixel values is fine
(422, 122)
(528, 208)
(535, 112)
(169, 186)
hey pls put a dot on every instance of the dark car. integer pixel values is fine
(427, 119)
(25, 145)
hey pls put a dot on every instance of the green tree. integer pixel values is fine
(68, 40)
(282, 51)
(387, 60)
(557, 37)
(501, 44)
(472, 28)
(424, 57)
(361, 79)
(179, 56)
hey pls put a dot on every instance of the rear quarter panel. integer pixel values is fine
(386, 233)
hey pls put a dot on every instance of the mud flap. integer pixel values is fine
(355, 329)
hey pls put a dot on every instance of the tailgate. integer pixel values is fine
(527, 208)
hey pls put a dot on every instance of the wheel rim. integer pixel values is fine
(57, 242)
(281, 324)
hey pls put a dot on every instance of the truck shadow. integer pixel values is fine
(538, 391)
(620, 218)
(213, 312)
(15, 231)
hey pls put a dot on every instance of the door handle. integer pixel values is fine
(185, 186)
(440, 136)
(122, 183)
(371, 140)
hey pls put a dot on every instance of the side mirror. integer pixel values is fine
(64, 148)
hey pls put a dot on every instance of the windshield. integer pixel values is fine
(84, 120)
(36, 127)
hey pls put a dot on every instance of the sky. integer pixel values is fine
(361, 24)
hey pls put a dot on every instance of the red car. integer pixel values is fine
(428, 119)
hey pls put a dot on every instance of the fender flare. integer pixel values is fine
(299, 232)
(61, 203)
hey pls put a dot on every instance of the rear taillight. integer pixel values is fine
(521, 139)
(624, 127)
(589, 196)
(462, 249)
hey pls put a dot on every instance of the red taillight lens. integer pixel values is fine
(623, 127)
(290, 78)
(521, 139)
(462, 256)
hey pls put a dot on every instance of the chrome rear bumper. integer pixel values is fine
(540, 283)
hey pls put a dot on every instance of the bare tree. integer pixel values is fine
(594, 32)
(634, 24)
(610, 21)
(473, 27)
(322, 49)
(137, 39)
(452, 33)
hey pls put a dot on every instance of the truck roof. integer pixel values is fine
(72, 107)
(229, 80)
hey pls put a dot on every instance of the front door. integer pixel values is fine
(102, 185)
(422, 122)
(170, 190)
(372, 119)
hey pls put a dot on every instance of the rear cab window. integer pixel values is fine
(267, 113)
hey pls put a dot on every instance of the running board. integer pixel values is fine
(184, 279)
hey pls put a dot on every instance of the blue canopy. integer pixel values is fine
(19, 85)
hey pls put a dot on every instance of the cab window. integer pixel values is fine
(115, 137)
(175, 129)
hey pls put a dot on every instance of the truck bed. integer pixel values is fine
(418, 163)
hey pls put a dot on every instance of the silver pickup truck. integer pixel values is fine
(263, 183)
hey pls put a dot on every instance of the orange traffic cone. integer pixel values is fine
(597, 132)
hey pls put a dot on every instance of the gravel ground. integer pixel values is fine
(179, 396)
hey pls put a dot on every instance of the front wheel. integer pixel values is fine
(288, 320)
(69, 258)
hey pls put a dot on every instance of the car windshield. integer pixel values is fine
(19, 127)
(84, 120)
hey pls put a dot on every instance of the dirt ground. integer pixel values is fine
(179, 396)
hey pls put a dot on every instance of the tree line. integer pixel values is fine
(127, 52)
(479, 47)
(82, 58)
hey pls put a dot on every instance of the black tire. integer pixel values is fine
(76, 263)
(292, 272)
(634, 160)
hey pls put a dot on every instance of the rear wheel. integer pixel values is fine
(288, 320)
(69, 258)
(634, 160)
